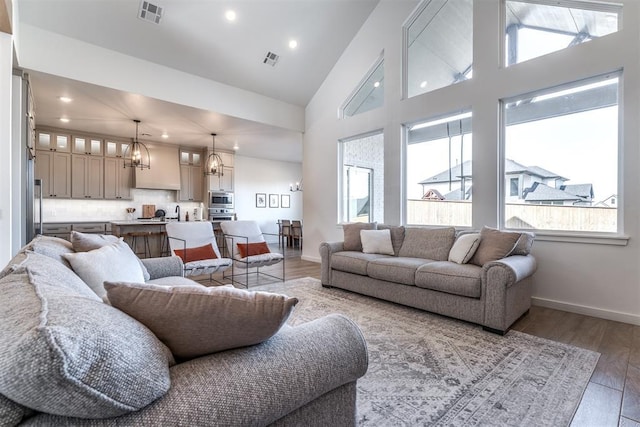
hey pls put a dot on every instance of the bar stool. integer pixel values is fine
(144, 235)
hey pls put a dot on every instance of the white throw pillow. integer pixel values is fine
(115, 263)
(376, 242)
(464, 248)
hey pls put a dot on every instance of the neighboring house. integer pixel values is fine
(524, 184)
(609, 202)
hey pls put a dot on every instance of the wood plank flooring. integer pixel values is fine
(612, 397)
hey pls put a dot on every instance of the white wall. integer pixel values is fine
(253, 176)
(6, 171)
(576, 274)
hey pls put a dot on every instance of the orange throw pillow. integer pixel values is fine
(196, 254)
(250, 249)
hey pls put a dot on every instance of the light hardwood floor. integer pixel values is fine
(612, 397)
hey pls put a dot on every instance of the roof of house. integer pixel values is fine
(582, 190)
(540, 192)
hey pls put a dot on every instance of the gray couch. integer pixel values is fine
(418, 274)
(304, 375)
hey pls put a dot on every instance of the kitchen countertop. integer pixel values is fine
(125, 222)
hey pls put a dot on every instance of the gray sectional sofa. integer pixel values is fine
(489, 285)
(68, 358)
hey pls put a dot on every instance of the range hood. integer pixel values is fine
(164, 173)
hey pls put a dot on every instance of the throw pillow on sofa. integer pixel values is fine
(114, 262)
(427, 243)
(195, 320)
(376, 242)
(352, 241)
(464, 248)
(494, 245)
(70, 355)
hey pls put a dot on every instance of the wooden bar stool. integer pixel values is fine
(144, 235)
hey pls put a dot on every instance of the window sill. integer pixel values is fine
(585, 238)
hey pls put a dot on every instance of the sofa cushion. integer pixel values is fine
(494, 245)
(66, 354)
(376, 242)
(395, 269)
(427, 243)
(195, 320)
(397, 236)
(353, 262)
(11, 413)
(450, 277)
(53, 247)
(464, 248)
(524, 244)
(352, 240)
(85, 242)
(113, 262)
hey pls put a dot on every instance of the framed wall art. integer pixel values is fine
(261, 200)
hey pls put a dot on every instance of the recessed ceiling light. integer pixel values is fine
(64, 120)
(235, 146)
(376, 84)
(230, 15)
(293, 44)
(65, 99)
(165, 135)
(423, 84)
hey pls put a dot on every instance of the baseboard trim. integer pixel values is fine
(617, 316)
(311, 258)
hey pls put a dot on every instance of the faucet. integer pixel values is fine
(178, 210)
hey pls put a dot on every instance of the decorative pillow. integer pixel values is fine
(66, 354)
(376, 242)
(85, 242)
(397, 236)
(428, 243)
(352, 240)
(494, 245)
(251, 249)
(11, 413)
(196, 254)
(53, 247)
(464, 248)
(524, 244)
(194, 320)
(114, 262)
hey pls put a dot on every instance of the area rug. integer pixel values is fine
(429, 370)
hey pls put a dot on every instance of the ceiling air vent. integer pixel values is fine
(271, 59)
(150, 12)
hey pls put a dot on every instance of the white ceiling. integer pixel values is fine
(194, 37)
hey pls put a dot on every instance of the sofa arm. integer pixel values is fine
(513, 268)
(252, 386)
(163, 266)
(326, 249)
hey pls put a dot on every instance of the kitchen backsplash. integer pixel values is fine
(70, 210)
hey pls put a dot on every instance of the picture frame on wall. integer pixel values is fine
(261, 200)
(274, 201)
(285, 201)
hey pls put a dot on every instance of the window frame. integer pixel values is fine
(372, 69)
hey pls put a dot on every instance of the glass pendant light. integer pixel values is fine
(214, 164)
(136, 155)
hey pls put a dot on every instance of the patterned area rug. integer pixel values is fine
(429, 370)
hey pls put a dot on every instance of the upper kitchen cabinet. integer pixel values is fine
(52, 141)
(223, 182)
(191, 176)
(54, 169)
(87, 145)
(87, 174)
(118, 180)
(113, 148)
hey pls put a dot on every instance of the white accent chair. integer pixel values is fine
(245, 232)
(189, 235)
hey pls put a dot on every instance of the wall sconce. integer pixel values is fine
(296, 187)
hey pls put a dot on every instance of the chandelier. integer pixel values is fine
(214, 164)
(136, 155)
(296, 187)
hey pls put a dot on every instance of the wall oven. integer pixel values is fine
(220, 200)
(221, 214)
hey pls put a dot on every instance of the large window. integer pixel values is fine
(438, 171)
(536, 28)
(561, 157)
(362, 189)
(438, 45)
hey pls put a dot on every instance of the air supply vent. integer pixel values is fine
(271, 59)
(150, 12)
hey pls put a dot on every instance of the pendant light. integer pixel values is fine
(214, 164)
(136, 155)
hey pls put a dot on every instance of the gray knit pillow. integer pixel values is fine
(66, 354)
(428, 243)
(11, 413)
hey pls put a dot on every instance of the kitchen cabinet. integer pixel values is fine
(62, 231)
(191, 176)
(118, 180)
(54, 169)
(92, 227)
(87, 177)
(52, 141)
(114, 148)
(86, 145)
(224, 182)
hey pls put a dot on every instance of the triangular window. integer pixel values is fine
(369, 94)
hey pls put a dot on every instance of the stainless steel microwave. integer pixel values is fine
(221, 199)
